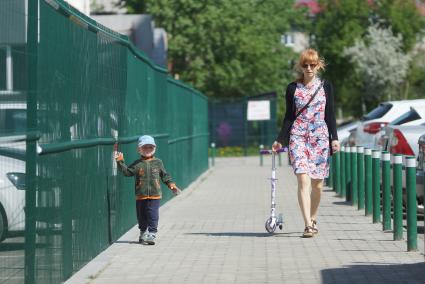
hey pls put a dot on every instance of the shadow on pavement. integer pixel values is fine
(342, 203)
(376, 273)
(365, 240)
(127, 242)
(245, 234)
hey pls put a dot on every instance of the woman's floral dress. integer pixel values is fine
(309, 137)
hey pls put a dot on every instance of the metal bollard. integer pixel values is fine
(354, 194)
(376, 186)
(334, 167)
(368, 181)
(261, 156)
(337, 173)
(342, 187)
(386, 191)
(412, 221)
(280, 159)
(398, 197)
(331, 169)
(212, 154)
(347, 174)
(360, 175)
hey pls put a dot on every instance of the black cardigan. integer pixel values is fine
(290, 112)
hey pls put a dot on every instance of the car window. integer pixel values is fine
(408, 116)
(13, 120)
(378, 112)
(17, 179)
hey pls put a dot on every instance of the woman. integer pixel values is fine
(309, 127)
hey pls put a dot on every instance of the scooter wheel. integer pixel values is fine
(280, 227)
(269, 227)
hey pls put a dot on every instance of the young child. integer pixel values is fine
(147, 171)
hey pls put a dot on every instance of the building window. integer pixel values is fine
(288, 39)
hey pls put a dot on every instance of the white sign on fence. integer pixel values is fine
(258, 110)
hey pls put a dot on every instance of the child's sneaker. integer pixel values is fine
(150, 239)
(143, 236)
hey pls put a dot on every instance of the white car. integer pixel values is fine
(344, 131)
(12, 190)
(415, 116)
(382, 115)
(404, 140)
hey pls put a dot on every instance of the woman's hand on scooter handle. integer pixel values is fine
(335, 146)
(276, 146)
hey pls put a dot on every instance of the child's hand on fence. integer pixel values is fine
(175, 189)
(119, 156)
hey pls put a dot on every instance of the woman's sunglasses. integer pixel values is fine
(312, 66)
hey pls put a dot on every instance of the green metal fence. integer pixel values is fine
(379, 195)
(229, 124)
(75, 89)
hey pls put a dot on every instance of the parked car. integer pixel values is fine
(12, 178)
(403, 139)
(12, 190)
(415, 116)
(344, 131)
(382, 115)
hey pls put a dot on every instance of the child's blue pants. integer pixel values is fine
(148, 214)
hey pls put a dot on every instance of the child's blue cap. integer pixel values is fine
(146, 140)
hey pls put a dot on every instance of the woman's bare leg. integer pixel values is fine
(304, 197)
(316, 192)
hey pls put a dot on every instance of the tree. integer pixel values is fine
(224, 47)
(342, 22)
(380, 60)
(414, 86)
(403, 17)
(338, 26)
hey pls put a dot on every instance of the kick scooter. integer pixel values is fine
(273, 222)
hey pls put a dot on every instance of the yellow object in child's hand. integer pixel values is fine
(175, 189)
(119, 156)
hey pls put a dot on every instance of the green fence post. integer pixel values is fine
(376, 186)
(386, 191)
(412, 226)
(261, 156)
(31, 147)
(354, 194)
(337, 175)
(398, 196)
(212, 154)
(347, 174)
(368, 181)
(330, 182)
(360, 174)
(343, 182)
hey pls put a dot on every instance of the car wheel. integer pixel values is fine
(3, 225)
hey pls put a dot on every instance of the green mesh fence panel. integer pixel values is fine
(229, 126)
(69, 89)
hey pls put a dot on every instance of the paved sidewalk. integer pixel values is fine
(214, 233)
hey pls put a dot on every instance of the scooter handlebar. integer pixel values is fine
(268, 152)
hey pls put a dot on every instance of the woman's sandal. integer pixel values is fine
(314, 226)
(308, 232)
